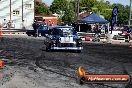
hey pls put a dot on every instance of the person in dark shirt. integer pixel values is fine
(34, 26)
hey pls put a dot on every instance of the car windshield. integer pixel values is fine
(63, 31)
(43, 27)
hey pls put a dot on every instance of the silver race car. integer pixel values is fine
(63, 38)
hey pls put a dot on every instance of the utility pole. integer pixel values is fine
(78, 6)
(22, 10)
(77, 9)
(34, 9)
(130, 13)
(10, 10)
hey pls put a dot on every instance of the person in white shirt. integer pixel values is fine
(4, 23)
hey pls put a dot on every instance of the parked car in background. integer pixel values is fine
(63, 38)
(118, 38)
(40, 31)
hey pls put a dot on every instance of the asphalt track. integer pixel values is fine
(27, 60)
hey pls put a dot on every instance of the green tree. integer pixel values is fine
(42, 9)
(69, 15)
(103, 8)
(88, 3)
(65, 8)
(58, 5)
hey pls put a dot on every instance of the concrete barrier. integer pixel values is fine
(13, 32)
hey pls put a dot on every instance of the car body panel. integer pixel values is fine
(118, 38)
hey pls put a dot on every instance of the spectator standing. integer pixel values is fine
(96, 29)
(4, 23)
(9, 24)
(92, 28)
(34, 25)
(44, 22)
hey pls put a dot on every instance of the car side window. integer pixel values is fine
(56, 31)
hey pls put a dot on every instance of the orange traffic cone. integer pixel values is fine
(1, 63)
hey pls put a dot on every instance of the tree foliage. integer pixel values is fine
(103, 8)
(42, 9)
(69, 15)
(67, 9)
(58, 6)
(88, 3)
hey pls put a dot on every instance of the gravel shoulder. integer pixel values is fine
(32, 67)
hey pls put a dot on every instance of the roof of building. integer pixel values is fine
(45, 15)
(83, 14)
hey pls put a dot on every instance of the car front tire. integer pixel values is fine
(48, 48)
(29, 34)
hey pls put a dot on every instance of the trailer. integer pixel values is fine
(16, 14)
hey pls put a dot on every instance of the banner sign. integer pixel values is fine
(84, 77)
(114, 17)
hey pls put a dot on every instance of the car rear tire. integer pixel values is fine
(48, 49)
(29, 34)
(39, 35)
(35, 35)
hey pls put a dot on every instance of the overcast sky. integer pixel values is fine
(124, 2)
